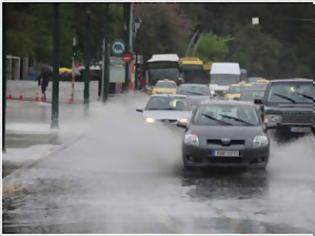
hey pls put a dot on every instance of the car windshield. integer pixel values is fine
(223, 115)
(224, 79)
(193, 90)
(165, 84)
(167, 103)
(250, 95)
(162, 73)
(292, 93)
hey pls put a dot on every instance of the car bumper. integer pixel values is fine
(202, 157)
(288, 128)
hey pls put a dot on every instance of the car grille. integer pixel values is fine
(297, 118)
(169, 121)
(225, 160)
(221, 143)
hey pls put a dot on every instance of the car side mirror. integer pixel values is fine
(139, 110)
(258, 101)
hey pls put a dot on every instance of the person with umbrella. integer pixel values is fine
(43, 79)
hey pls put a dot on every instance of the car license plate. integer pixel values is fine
(226, 153)
(301, 129)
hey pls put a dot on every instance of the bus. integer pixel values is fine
(162, 66)
(192, 70)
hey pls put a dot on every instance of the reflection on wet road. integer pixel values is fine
(125, 176)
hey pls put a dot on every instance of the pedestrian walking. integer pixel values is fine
(43, 81)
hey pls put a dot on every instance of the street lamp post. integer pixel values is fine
(87, 60)
(55, 92)
(136, 25)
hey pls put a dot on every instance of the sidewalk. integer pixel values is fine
(28, 133)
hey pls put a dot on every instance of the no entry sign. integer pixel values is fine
(127, 57)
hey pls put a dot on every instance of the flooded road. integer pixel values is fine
(125, 176)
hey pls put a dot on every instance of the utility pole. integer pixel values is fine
(4, 74)
(55, 91)
(106, 58)
(87, 45)
(127, 8)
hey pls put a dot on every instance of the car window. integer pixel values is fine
(250, 95)
(222, 115)
(193, 90)
(167, 103)
(291, 93)
(165, 84)
(235, 89)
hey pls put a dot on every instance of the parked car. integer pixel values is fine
(166, 108)
(225, 133)
(195, 93)
(288, 107)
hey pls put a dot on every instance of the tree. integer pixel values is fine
(212, 47)
(164, 29)
(256, 51)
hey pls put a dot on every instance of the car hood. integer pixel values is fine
(278, 108)
(232, 132)
(167, 115)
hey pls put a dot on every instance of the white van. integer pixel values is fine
(222, 75)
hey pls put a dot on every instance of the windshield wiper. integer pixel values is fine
(284, 97)
(215, 119)
(306, 96)
(236, 119)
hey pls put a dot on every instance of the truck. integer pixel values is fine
(222, 75)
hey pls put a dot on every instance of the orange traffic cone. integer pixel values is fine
(70, 100)
(21, 97)
(43, 98)
(9, 95)
(37, 97)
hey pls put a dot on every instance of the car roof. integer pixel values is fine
(291, 80)
(227, 103)
(166, 80)
(164, 57)
(169, 95)
(225, 68)
(194, 84)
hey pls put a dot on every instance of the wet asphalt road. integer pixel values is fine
(124, 176)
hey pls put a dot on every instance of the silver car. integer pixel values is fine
(166, 108)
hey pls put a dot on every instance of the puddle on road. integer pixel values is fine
(147, 158)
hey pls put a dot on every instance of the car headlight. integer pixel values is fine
(260, 141)
(273, 119)
(149, 120)
(183, 120)
(191, 139)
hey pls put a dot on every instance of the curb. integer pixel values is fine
(7, 178)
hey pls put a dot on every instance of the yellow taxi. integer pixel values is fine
(164, 86)
(234, 92)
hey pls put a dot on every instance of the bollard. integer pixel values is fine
(70, 100)
(43, 99)
(9, 96)
(21, 97)
(37, 97)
